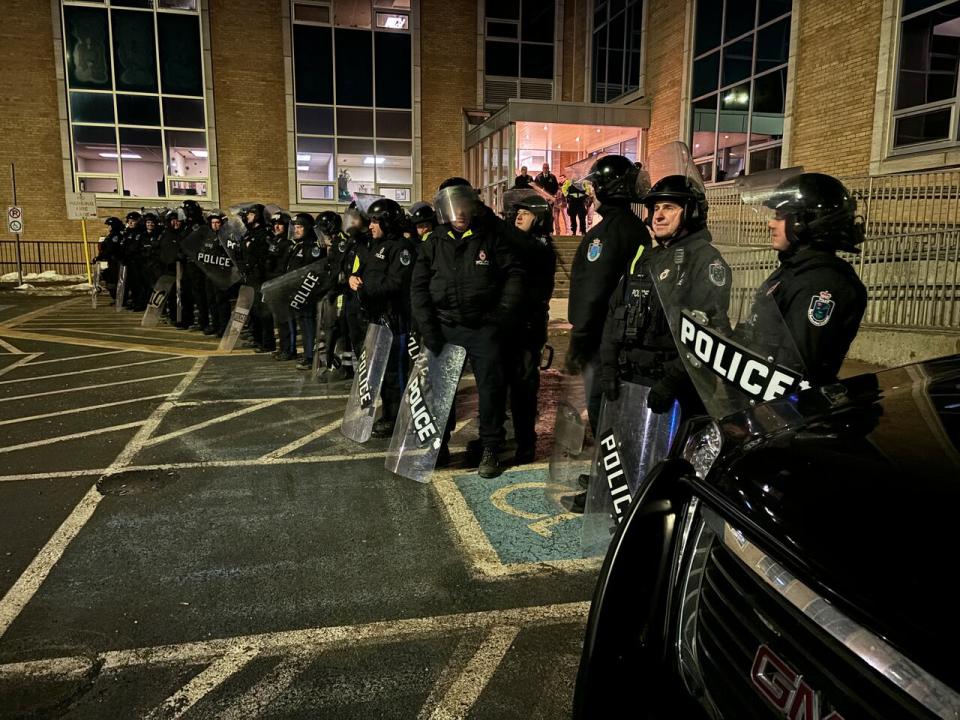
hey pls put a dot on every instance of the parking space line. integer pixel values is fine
(305, 440)
(114, 345)
(93, 387)
(71, 436)
(270, 687)
(9, 348)
(207, 423)
(91, 370)
(250, 401)
(133, 334)
(39, 312)
(466, 689)
(78, 357)
(32, 578)
(73, 411)
(20, 363)
(208, 680)
(462, 654)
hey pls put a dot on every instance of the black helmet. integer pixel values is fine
(255, 208)
(423, 212)
(614, 178)
(329, 223)
(134, 215)
(388, 214)
(452, 182)
(192, 211)
(217, 215)
(280, 218)
(540, 208)
(151, 217)
(818, 209)
(684, 192)
(114, 223)
(305, 219)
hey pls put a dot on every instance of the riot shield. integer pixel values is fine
(121, 287)
(364, 398)
(319, 339)
(238, 318)
(98, 267)
(221, 270)
(179, 287)
(161, 288)
(426, 404)
(291, 292)
(571, 454)
(630, 441)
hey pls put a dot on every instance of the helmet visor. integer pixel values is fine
(457, 203)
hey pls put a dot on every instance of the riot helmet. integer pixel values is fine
(256, 211)
(682, 191)
(388, 215)
(328, 223)
(193, 213)
(818, 209)
(114, 223)
(302, 220)
(453, 182)
(616, 179)
(279, 218)
(354, 218)
(216, 219)
(422, 212)
(150, 221)
(456, 205)
(539, 208)
(133, 217)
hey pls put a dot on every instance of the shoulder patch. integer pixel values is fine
(821, 308)
(593, 252)
(717, 272)
(315, 252)
(404, 257)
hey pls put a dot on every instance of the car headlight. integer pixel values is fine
(703, 448)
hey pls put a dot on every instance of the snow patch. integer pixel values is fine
(46, 276)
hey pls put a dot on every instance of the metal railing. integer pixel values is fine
(65, 257)
(912, 279)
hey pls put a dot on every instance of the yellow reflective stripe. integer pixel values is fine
(636, 258)
(467, 234)
(356, 263)
(451, 235)
(339, 302)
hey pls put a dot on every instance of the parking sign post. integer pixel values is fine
(15, 221)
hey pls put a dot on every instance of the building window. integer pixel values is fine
(353, 116)
(616, 48)
(739, 86)
(925, 104)
(135, 98)
(518, 50)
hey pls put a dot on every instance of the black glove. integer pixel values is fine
(611, 389)
(433, 341)
(575, 359)
(661, 397)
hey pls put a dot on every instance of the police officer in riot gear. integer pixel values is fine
(533, 246)
(384, 293)
(213, 252)
(602, 257)
(253, 253)
(275, 265)
(194, 277)
(110, 252)
(465, 290)
(330, 228)
(357, 228)
(423, 218)
(168, 252)
(148, 258)
(818, 293)
(306, 249)
(130, 256)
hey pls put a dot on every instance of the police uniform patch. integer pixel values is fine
(342, 246)
(315, 252)
(593, 252)
(665, 274)
(717, 272)
(821, 308)
(482, 258)
(404, 257)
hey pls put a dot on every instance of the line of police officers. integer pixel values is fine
(476, 280)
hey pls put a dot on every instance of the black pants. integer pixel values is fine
(522, 361)
(356, 324)
(593, 391)
(308, 329)
(198, 293)
(287, 329)
(264, 323)
(483, 351)
(576, 213)
(395, 378)
(218, 302)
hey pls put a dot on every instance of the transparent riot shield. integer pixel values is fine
(571, 453)
(121, 287)
(364, 400)
(158, 298)
(221, 270)
(98, 268)
(319, 336)
(179, 287)
(290, 293)
(424, 410)
(630, 441)
(238, 318)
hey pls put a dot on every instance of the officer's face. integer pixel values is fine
(778, 234)
(131, 224)
(215, 224)
(150, 225)
(251, 217)
(461, 221)
(423, 229)
(279, 229)
(546, 168)
(666, 219)
(174, 223)
(298, 231)
(375, 229)
(523, 170)
(524, 220)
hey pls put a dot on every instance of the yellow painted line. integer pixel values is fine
(20, 319)
(116, 345)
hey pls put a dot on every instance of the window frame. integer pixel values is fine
(484, 22)
(73, 176)
(629, 94)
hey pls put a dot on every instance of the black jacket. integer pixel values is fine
(637, 342)
(169, 251)
(469, 278)
(548, 182)
(602, 258)
(130, 244)
(385, 292)
(538, 258)
(254, 254)
(110, 248)
(276, 256)
(822, 301)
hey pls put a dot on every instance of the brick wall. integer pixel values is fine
(574, 50)
(29, 125)
(665, 28)
(836, 85)
(247, 53)
(448, 56)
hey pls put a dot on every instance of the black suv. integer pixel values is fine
(793, 559)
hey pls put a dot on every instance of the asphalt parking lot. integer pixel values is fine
(185, 533)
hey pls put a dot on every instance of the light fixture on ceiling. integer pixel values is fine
(303, 168)
(124, 155)
(369, 160)
(303, 157)
(199, 153)
(578, 138)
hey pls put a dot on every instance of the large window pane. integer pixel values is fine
(634, 22)
(178, 112)
(600, 65)
(311, 13)
(315, 159)
(313, 64)
(393, 163)
(923, 128)
(317, 192)
(354, 146)
(354, 67)
(773, 45)
(180, 63)
(770, 9)
(737, 61)
(141, 163)
(503, 9)
(536, 61)
(99, 185)
(314, 120)
(394, 61)
(769, 99)
(91, 107)
(86, 38)
(704, 134)
(352, 13)
(502, 58)
(187, 154)
(536, 20)
(766, 159)
(354, 122)
(503, 30)
(616, 40)
(95, 149)
(929, 53)
(708, 25)
(739, 17)
(394, 124)
(138, 110)
(134, 56)
(706, 74)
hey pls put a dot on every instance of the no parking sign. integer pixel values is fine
(15, 220)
